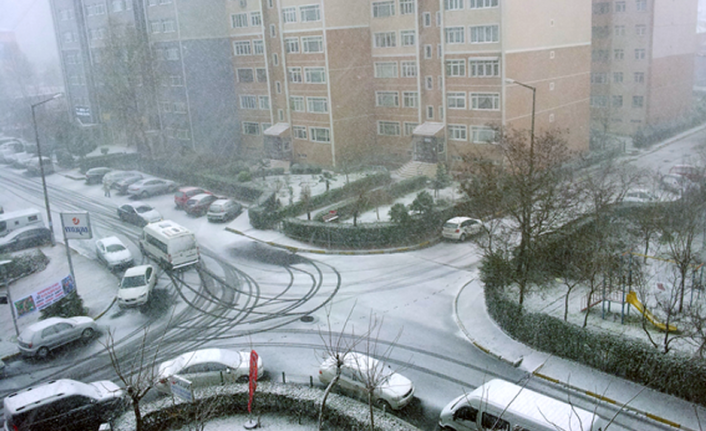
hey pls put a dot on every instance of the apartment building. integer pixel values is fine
(324, 81)
(642, 72)
(156, 72)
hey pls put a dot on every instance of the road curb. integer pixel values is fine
(294, 249)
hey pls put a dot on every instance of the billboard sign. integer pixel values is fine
(45, 297)
(181, 388)
(76, 225)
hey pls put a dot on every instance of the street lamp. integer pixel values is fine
(534, 94)
(41, 163)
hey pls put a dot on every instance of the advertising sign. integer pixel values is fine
(76, 225)
(181, 388)
(45, 297)
(253, 378)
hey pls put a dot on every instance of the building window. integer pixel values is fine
(388, 128)
(242, 48)
(438, 18)
(484, 68)
(409, 128)
(299, 132)
(457, 132)
(599, 78)
(273, 30)
(427, 19)
(68, 37)
(409, 69)
(456, 100)
(485, 101)
(430, 112)
(311, 44)
(600, 31)
(406, 7)
(427, 51)
(310, 13)
(258, 47)
(640, 29)
(456, 67)
(620, 6)
(618, 54)
(172, 54)
(168, 26)
(155, 26)
(410, 99)
(315, 75)
(239, 20)
(408, 37)
(264, 102)
(289, 14)
(484, 33)
(617, 101)
(295, 74)
(117, 6)
(482, 4)
(176, 81)
(601, 8)
(453, 4)
(383, 9)
(180, 107)
(385, 40)
(291, 45)
(429, 82)
(386, 70)
(320, 134)
(617, 77)
(455, 34)
(66, 14)
(640, 54)
(255, 19)
(638, 101)
(278, 87)
(641, 5)
(619, 30)
(296, 103)
(275, 59)
(639, 77)
(317, 104)
(387, 99)
(245, 75)
(261, 75)
(250, 128)
(482, 135)
(248, 102)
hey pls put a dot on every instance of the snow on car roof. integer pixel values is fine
(39, 393)
(227, 357)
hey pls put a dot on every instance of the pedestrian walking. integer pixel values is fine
(106, 190)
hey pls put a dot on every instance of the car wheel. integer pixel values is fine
(243, 379)
(43, 352)
(383, 405)
(87, 334)
(143, 194)
(463, 237)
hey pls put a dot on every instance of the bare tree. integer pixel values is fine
(305, 198)
(666, 304)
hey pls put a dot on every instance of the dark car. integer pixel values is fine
(138, 213)
(95, 175)
(25, 237)
(198, 205)
(186, 193)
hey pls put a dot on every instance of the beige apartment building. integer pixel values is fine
(326, 81)
(643, 63)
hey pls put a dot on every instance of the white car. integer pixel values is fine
(136, 286)
(208, 367)
(39, 338)
(113, 252)
(460, 228)
(394, 391)
(150, 187)
(640, 196)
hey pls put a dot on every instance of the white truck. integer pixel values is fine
(171, 245)
(12, 220)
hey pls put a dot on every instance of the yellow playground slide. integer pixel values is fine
(632, 300)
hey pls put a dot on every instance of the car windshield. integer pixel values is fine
(450, 225)
(112, 248)
(143, 209)
(133, 281)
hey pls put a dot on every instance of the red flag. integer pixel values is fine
(253, 378)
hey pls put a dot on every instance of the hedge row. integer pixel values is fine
(633, 360)
(116, 160)
(265, 216)
(649, 136)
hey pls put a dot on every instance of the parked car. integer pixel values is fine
(151, 186)
(38, 339)
(95, 175)
(33, 167)
(693, 173)
(185, 193)
(138, 213)
(122, 183)
(198, 205)
(640, 196)
(25, 237)
(20, 160)
(223, 209)
(394, 391)
(63, 405)
(10, 148)
(460, 228)
(678, 184)
(136, 286)
(113, 252)
(207, 367)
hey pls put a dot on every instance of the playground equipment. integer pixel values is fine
(631, 299)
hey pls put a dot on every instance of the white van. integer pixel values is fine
(500, 405)
(170, 244)
(12, 220)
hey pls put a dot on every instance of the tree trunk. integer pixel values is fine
(372, 412)
(330, 386)
(138, 415)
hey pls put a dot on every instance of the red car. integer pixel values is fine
(198, 205)
(186, 193)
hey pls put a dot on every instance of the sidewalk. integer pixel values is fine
(94, 283)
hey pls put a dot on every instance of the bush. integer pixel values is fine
(65, 159)
(244, 176)
(299, 169)
(399, 214)
(115, 160)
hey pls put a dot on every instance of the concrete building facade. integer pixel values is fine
(642, 73)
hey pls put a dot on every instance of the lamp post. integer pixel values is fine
(534, 98)
(41, 163)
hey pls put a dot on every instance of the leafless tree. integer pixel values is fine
(305, 198)
(667, 306)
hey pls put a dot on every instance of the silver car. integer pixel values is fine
(40, 338)
(113, 252)
(150, 187)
